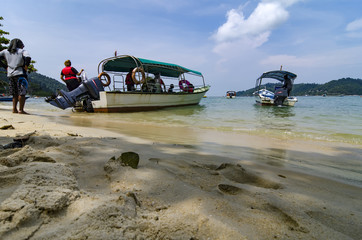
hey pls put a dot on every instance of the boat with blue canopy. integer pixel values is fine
(278, 96)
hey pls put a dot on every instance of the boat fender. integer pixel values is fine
(108, 79)
(138, 69)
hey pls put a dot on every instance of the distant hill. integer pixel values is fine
(39, 85)
(344, 86)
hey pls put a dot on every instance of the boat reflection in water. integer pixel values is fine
(275, 117)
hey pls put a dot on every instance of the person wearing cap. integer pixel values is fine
(69, 76)
(18, 61)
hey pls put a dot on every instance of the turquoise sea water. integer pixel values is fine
(331, 119)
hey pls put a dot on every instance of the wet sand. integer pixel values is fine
(63, 184)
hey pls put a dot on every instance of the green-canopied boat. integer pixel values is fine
(108, 92)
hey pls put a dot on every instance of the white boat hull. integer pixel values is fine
(113, 101)
(290, 101)
(265, 97)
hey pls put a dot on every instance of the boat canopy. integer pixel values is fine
(123, 63)
(278, 75)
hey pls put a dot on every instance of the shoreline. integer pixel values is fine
(208, 189)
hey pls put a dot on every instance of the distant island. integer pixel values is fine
(42, 86)
(39, 85)
(344, 86)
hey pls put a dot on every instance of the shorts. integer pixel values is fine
(18, 86)
(72, 83)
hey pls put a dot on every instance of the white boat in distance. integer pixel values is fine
(280, 96)
(230, 94)
(108, 92)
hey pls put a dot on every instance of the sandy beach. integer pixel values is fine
(66, 183)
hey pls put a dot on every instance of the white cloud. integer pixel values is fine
(256, 29)
(230, 48)
(355, 25)
(354, 29)
(285, 3)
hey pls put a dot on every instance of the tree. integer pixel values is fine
(3, 40)
(31, 67)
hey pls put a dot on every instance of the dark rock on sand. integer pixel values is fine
(130, 159)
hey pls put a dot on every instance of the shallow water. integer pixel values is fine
(216, 125)
(332, 119)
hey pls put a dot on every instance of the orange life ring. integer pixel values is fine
(138, 69)
(108, 79)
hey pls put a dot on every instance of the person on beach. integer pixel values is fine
(18, 61)
(160, 85)
(287, 84)
(69, 76)
(129, 81)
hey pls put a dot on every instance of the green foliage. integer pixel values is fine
(31, 67)
(3, 40)
(344, 86)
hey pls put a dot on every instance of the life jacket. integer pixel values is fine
(68, 73)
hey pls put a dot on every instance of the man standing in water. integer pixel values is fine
(288, 84)
(18, 61)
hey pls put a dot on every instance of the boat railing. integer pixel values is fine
(118, 85)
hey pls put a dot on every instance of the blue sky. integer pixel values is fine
(231, 42)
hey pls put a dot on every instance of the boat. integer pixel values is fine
(108, 91)
(279, 95)
(6, 98)
(230, 94)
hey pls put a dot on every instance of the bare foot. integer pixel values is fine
(15, 111)
(23, 112)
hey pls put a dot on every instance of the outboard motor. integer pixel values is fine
(279, 96)
(87, 91)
